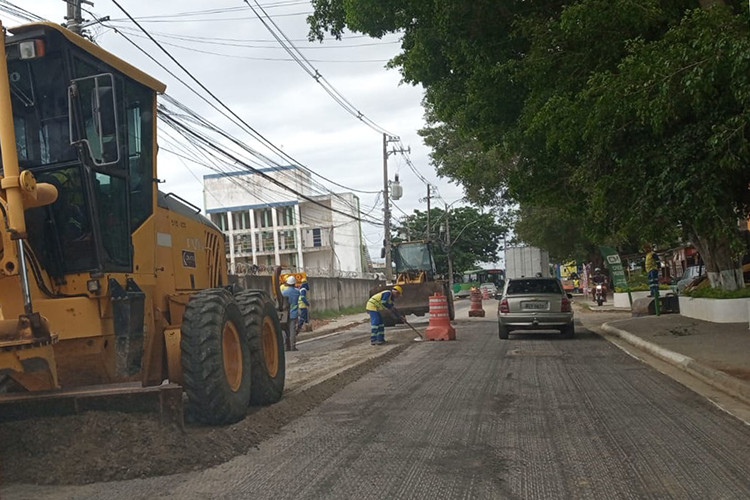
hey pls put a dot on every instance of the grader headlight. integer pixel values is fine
(31, 49)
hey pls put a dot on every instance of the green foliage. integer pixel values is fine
(638, 282)
(718, 293)
(474, 236)
(605, 121)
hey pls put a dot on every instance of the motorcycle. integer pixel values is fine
(600, 293)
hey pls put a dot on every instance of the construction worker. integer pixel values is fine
(379, 302)
(652, 268)
(292, 295)
(303, 304)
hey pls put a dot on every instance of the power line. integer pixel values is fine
(305, 64)
(248, 43)
(339, 98)
(184, 128)
(241, 123)
(236, 119)
(252, 58)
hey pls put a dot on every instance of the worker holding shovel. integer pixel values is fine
(377, 303)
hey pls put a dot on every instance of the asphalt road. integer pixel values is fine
(536, 416)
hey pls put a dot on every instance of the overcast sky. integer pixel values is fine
(237, 58)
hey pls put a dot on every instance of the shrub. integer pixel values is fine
(718, 293)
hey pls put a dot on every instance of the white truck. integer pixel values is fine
(526, 261)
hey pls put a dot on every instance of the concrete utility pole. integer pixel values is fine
(448, 241)
(386, 214)
(429, 231)
(74, 17)
(387, 208)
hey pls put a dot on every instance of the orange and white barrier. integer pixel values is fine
(476, 309)
(440, 327)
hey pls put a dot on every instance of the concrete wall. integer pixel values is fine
(324, 294)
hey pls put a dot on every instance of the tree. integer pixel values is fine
(474, 236)
(628, 117)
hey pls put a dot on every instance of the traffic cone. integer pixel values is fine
(476, 309)
(440, 323)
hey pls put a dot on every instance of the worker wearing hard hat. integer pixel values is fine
(377, 303)
(292, 295)
(303, 304)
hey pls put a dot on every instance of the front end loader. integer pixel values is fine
(416, 274)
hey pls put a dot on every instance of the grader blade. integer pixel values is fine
(163, 400)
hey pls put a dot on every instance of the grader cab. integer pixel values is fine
(104, 279)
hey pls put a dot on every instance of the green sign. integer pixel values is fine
(614, 264)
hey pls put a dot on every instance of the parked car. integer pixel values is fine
(689, 275)
(492, 290)
(534, 304)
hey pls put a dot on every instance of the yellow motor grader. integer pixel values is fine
(106, 282)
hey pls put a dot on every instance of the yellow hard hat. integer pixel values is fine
(398, 289)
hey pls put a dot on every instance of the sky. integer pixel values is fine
(226, 47)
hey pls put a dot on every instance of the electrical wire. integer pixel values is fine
(241, 123)
(182, 127)
(304, 63)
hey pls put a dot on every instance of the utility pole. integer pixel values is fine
(74, 17)
(387, 208)
(386, 214)
(448, 241)
(429, 231)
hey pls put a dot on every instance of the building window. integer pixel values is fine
(266, 241)
(241, 220)
(264, 218)
(220, 219)
(287, 240)
(243, 243)
(286, 216)
(316, 238)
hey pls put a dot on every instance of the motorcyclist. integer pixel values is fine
(598, 279)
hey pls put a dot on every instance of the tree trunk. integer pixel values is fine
(723, 269)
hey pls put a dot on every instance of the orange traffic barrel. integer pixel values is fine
(440, 327)
(476, 309)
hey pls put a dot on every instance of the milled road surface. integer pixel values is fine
(535, 416)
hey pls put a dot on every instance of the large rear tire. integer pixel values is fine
(266, 346)
(215, 358)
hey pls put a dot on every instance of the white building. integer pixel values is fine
(266, 225)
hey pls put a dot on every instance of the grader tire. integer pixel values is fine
(266, 346)
(216, 364)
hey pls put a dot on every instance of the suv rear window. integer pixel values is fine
(533, 286)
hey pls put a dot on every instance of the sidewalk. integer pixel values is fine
(717, 353)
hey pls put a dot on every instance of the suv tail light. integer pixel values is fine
(503, 307)
(565, 305)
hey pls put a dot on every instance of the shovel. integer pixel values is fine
(418, 339)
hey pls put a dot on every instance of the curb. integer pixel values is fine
(713, 377)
